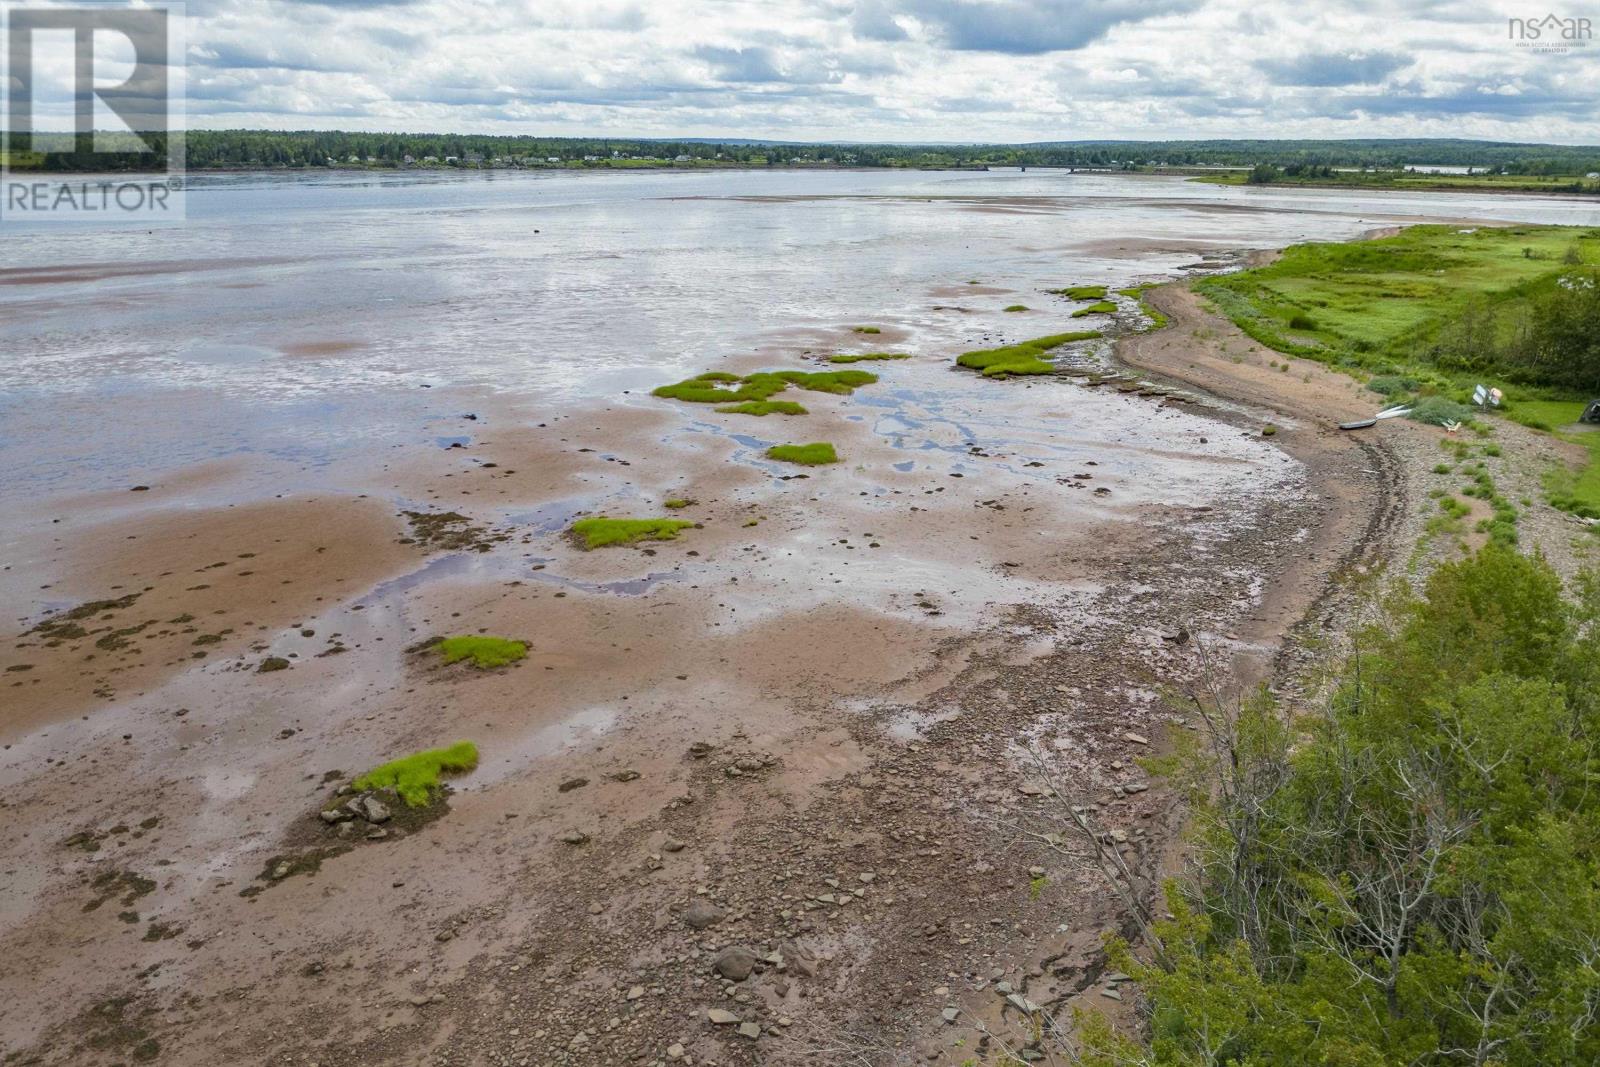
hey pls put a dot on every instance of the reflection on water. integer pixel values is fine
(300, 318)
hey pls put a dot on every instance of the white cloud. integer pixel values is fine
(992, 70)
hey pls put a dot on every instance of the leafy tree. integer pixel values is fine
(1412, 876)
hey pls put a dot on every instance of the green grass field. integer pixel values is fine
(1375, 302)
(1376, 309)
(1577, 492)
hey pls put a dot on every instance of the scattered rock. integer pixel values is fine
(1138, 739)
(750, 1030)
(1022, 1004)
(374, 810)
(272, 663)
(701, 914)
(734, 963)
(721, 1017)
(573, 837)
(804, 966)
(672, 844)
(572, 783)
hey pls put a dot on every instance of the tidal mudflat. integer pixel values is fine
(259, 472)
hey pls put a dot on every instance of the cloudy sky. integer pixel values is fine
(897, 70)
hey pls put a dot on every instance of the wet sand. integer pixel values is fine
(860, 646)
(808, 712)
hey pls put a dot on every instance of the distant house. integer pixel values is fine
(591, 159)
(409, 160)
(452, 159)
(473, 157)
(680, 159)
(552, 159)
(430, 159)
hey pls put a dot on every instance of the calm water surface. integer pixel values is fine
(297, 317)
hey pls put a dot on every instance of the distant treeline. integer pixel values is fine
(223, 149)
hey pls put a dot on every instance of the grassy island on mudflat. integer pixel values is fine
(758, 389)
(482, 651)
(813, 455)
(600, 532)
(1024, 357)
(416, 778)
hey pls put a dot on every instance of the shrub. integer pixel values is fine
(1438, 410)
(1392, 384)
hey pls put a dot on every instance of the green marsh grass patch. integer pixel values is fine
(416, 778)
(600, 532)
(1101, 307)
(759, 388)
(1157, 317)
(763, 408)
(484, 652)
(1021, 358)
(813, 455)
